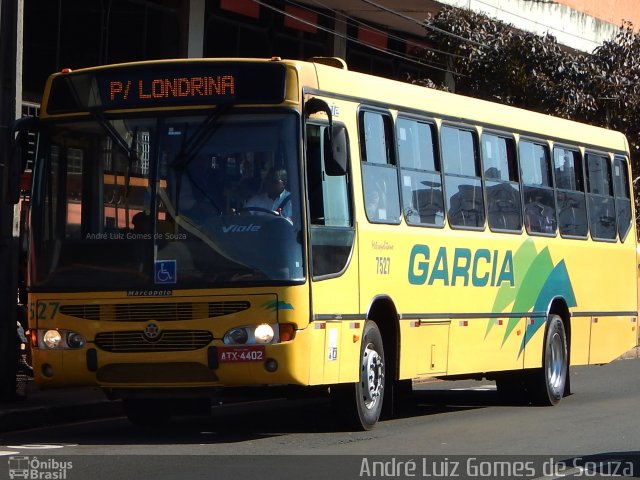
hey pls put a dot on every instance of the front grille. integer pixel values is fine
(88, 312)
(217, 309)
(168, 341)
(142, 312)
(133, 312)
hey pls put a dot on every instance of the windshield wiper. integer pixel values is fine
(108, 127)
(130, 150)
(190, 149)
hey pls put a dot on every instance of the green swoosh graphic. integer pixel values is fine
(275, 305)
(523, 258)
(537, 282)
(557, 284)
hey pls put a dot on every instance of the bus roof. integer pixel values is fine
(396, 95)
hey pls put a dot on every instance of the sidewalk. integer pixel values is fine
(55, 406)
(633, 353)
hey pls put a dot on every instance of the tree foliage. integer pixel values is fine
(492, 60)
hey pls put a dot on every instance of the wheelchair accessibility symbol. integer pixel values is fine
(165, 271)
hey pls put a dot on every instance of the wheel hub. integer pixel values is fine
(555, 364)
(372, 376)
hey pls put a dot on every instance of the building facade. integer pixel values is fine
(383, 37)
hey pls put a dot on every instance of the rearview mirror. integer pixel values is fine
(335, 139)
(335, 154)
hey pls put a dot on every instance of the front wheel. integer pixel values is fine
(547, 384)
(362, 402)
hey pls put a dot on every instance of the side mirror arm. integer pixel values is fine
(335, 139)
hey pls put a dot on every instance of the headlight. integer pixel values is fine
(250, 335)
(264, 333)
(52, 338)
(236, 336)
(75, 340)
(60, 339)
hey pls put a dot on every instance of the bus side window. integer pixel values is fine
(501, 180)
(572, 208)
(422, 197)
(601, 202)
(537, 188)
(314, 180)
(465, 203)
(379, 175)
(623, 197)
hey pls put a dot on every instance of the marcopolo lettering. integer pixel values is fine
(480, 268)
(149, 293)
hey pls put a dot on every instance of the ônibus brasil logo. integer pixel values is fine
(35, 468)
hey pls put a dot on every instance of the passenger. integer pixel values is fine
(141, 223)
(372, 199)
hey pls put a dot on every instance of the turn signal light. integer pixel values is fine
(287, 332)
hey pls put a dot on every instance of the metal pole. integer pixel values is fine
(11, 12)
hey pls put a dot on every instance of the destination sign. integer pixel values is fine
(168, 84)
(201, 87)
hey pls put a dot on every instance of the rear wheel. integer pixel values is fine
(547, 384)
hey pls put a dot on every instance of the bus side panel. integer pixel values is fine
(349, 354)
(603, 277)
(316, 332)
(580, 340)
(472, 349)
(533, 345)
(610, 336)
(424, 348)
(333, 351)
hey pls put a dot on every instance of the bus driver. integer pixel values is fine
(274, 196)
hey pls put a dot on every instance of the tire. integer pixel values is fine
(361, 403)
(146, 412)
(547, 384)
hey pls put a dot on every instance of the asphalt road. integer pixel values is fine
(443, 422)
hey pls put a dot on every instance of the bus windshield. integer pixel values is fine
(197, 200)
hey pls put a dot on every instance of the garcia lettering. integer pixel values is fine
(480, 268)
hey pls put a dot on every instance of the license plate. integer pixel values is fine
(254, 353)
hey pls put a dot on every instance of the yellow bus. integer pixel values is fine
(204, 224)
